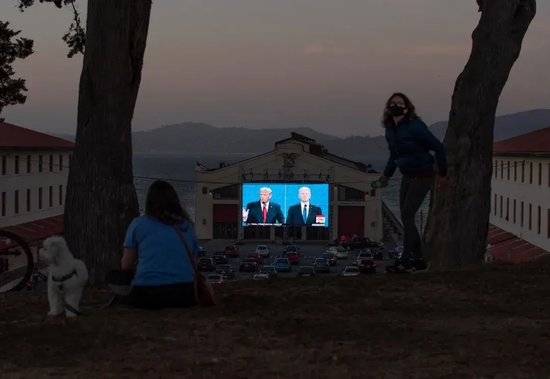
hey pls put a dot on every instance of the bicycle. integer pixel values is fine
(16, 262)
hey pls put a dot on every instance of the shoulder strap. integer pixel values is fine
(186, 247)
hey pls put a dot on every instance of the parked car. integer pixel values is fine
(202, 252)
(339, 251)
(366, 266)
(292, 257)
(248, 266)
(226, 271)
(263, 251)
(270, 271)
(260, 276)
(362, 243)
(215, 278)
(350, 271)
(254, 256)
(231, 251)
(365, 254)
(331, 258)
(396, 252)
(206, 264)
(219, 258)
(305, 271)
(290, 248)
(321, 265)
(282, 265)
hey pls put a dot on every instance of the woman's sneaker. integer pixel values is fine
(400, 267)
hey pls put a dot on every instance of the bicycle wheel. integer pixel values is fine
(16, 262)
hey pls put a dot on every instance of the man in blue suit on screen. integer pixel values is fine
(303, 213)
(263, 211)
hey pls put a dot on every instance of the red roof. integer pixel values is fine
(534, 142)
(13, 136)
(35, 231)
(509, 248)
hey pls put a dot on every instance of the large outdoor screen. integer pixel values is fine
(287, 204)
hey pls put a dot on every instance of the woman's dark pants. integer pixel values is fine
(152, 297)
(412, 194)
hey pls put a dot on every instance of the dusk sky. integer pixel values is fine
(324, 64)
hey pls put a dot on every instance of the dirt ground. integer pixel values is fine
(491, 322)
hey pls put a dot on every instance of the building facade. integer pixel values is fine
(520, 187)
(353, 208)
(34, 168)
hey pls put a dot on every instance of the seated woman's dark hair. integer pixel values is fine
(163, 204)
(387, 119)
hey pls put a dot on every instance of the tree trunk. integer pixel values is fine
(456, 233)
(101, 198)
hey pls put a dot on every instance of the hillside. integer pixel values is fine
(202, 138)
(490, 322)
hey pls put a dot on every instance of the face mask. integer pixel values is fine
(396, 110)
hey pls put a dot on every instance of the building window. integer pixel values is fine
(50, 196)
(40, 162)
(548, 174)
(508, 170)
(60, 162)
(538, 219)
(29, 164)
(515, 171)
(507, 209)
(530, 216)
(16, 202)
(495, 206)
(28, 200)
(61, 194)
(16, 164)
(4, 204)
(204, 190)
(521, 214)
(40, 198)
(228, 192)
(523, 171)
(495, 168)
(500, 206)
(548, 223)
(51, 162)
(530, 172)
(514, 212)
(502, 169)
(540, 174)
(3, 165)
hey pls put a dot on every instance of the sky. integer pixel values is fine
(324, 64)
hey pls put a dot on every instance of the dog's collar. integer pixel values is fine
(64, 277)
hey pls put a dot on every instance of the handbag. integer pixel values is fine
(204, 293)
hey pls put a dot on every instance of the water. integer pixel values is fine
(179, 170)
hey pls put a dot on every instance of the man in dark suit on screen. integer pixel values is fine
(303, 213)
(263, 211)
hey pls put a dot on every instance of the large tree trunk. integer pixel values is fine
(457, 227)
(101, 198)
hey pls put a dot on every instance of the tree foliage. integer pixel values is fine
(12, 89)
(75, 37)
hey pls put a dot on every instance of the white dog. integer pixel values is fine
(66, 278)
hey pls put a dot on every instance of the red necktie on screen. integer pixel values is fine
(265, 213)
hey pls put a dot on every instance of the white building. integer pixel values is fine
(352, 207)
(520, 198)
(33, 177)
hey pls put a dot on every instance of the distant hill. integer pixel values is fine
(508, 126)
(193, 137)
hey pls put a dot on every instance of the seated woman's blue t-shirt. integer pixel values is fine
(162, 258)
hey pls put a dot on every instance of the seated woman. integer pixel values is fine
(155, 261)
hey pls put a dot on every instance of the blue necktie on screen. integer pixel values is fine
(304, 213)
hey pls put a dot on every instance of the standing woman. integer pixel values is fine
(164, 274)
(410, 143)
